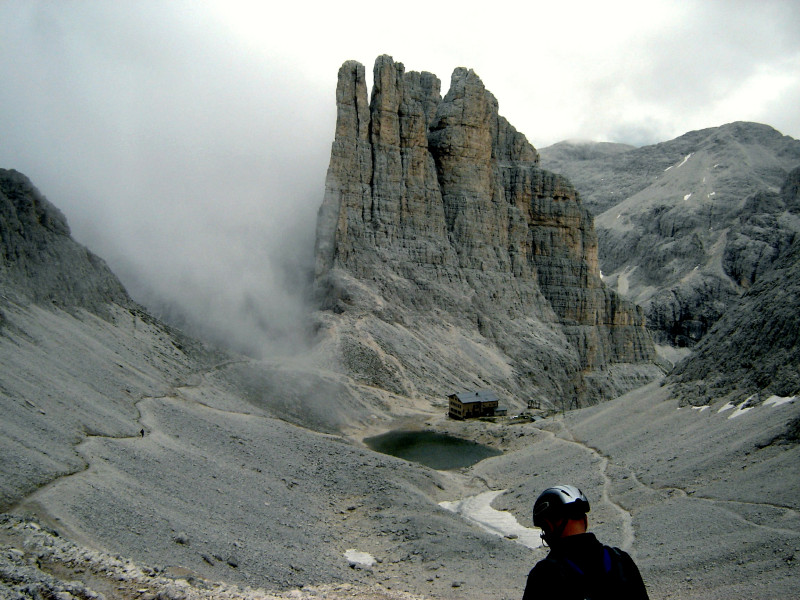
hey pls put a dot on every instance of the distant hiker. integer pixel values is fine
(578, 565)
(141, 433)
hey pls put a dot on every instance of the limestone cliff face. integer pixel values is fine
(439, 232)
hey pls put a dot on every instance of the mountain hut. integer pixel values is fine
(470, 405)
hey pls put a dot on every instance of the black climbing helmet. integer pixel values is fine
(559, 502)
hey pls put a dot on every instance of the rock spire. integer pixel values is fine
(454, 259)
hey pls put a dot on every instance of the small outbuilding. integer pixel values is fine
(471, 405)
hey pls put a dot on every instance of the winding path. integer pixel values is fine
(627, 519)
(628, 534)
(195, 379)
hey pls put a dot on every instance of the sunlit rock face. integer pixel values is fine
(446, 258)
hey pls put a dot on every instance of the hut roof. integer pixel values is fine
(476, 396)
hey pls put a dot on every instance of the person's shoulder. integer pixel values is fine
(616, 552)
(545, 580)
(620, 555)
(627, 573)
(546, 568)
(544, 563)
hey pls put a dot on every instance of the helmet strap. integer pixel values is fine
(553, 531)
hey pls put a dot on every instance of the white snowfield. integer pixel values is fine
(364, 559)
(683, 162)
(478, 509)
(742, 408)
(778, 401)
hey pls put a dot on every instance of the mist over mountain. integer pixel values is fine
(686, 226)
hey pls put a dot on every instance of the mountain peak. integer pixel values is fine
(439, 233)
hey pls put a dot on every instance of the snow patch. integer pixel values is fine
(778, 401)
(363, 559)
(478, 509)
(622, 283)
(740, 410)
(687, 196)
(688, 156)
(700, 408)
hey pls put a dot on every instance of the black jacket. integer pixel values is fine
(580, 567)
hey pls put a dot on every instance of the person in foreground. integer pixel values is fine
(578, 565)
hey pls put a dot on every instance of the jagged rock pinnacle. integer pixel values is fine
(435, 209)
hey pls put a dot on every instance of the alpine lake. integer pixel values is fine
(435, 450)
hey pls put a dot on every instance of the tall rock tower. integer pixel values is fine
(448, 260)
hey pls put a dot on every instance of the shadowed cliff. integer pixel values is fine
(752, 351)
(39, 261)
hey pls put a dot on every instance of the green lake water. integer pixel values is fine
(435, 450)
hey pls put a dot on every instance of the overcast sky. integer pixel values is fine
(187, 142)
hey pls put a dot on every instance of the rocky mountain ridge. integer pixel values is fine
(753, 352)
(39, 261)
(686, 226)
(448, 259)
(70, 339)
